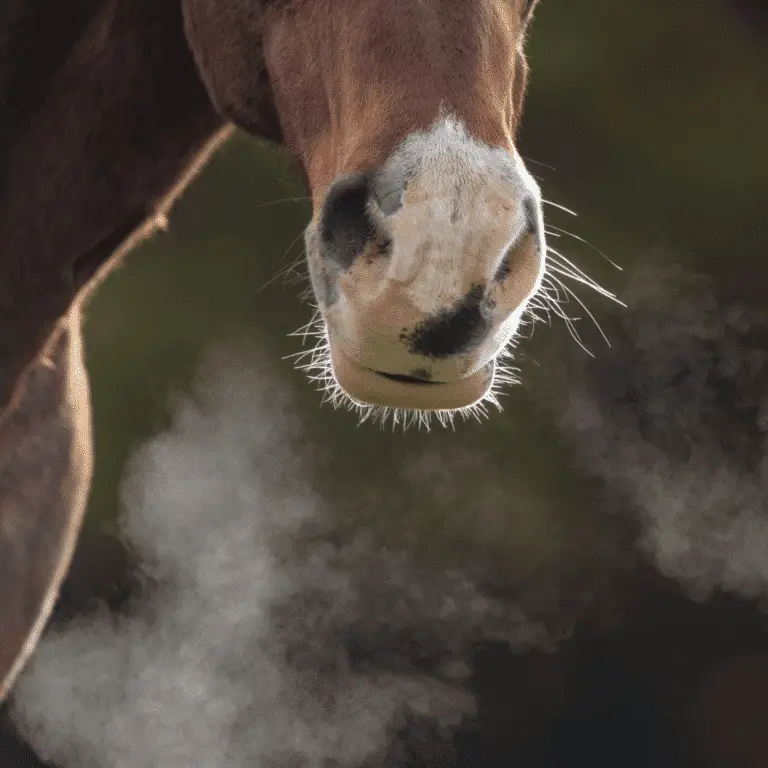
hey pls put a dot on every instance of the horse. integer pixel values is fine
(425, 246)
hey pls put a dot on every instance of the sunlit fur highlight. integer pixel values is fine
(551, 298)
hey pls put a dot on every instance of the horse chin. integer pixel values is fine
(367, 387)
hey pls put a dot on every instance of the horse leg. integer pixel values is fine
(45, 474)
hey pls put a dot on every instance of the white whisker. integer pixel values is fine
(283, 272)
(280, 202)
(559, 230)
(561, 207)
(566, 264)
(559, 270)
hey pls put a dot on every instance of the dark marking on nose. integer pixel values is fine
(454, 330)
(346, 225)
(531, 228)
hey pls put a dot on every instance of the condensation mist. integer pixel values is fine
(674, 421)
(270, 633)
(260, 637)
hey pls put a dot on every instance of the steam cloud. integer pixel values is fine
(674, 421)
(269, 635)
(262, 637)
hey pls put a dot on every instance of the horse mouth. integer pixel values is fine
(406, 379)
(369, 387)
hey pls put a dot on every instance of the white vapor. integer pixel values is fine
(262, 638)
(674, 420)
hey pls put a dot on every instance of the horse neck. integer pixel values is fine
(103, 110)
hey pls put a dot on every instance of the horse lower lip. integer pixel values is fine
(369, 387)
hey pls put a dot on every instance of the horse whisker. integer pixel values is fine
(280, 202)
(561, 207)
(560, 230)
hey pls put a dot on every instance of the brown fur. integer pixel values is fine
(350, 113)
(105, 104)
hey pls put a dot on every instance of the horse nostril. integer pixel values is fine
(346, 225)
(532, 227)
(456, 330)
(531, 210)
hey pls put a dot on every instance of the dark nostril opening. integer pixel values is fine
(531, 215)
(531, 211)
(346, 226)
(456, 330)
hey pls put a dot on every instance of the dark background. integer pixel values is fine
(647, 117)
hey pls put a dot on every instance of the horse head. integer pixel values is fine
(426, 241)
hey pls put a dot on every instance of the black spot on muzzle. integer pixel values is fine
(454, 331)
(346, 225)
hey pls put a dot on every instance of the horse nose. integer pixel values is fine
(408, 285)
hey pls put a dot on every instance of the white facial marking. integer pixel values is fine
(462, 209)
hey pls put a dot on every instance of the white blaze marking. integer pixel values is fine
(461, 210)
